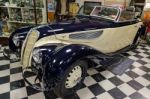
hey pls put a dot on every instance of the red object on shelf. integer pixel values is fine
(148, 30)
(147, 24)
(148, 27)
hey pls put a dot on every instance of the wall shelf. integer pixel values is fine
(139, 4)
(24, 15)
(21, 22)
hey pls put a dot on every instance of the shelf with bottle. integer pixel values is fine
(22, 12)
(28, 15)
(27, 3)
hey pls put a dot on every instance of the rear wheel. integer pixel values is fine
(72, 79)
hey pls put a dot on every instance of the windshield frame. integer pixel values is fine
(82, 7)
(117, 15)
(133, 19)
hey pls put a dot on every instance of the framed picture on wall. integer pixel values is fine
(51, 7)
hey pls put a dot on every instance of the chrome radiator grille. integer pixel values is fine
(28, 46)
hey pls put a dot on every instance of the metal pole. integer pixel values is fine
(35, 14)
(47, 10)
(125, 4)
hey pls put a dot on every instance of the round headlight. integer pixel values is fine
(16, 40)
(37, 55)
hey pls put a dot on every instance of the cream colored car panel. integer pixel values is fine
(49, 40)
(26, 51)
(112, 39)
(43, 41)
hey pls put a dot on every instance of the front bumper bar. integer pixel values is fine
(33, 85)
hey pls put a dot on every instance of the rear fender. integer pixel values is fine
(140, 32)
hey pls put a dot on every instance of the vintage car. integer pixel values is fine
(60, 53)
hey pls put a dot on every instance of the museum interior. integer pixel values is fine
(74, 49)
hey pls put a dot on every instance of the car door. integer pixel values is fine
(119, 36)
(130, 27)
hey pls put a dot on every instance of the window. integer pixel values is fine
(88, 6)
(105, 12)
(126, 15)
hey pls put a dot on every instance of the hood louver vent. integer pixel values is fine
(86, 35)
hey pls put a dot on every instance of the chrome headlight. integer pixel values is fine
(16, 40)
(37, 56)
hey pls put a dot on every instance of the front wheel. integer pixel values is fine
(72, 79)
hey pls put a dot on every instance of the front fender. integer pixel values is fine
(22, 32)
(47, 52)
(63, 58)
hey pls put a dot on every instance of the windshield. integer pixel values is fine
(85, 10)
(105, 12)
(101, 11)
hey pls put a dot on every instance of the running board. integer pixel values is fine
(117, 65)
(121, 67)
(115, 60)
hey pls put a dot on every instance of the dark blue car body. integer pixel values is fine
(56, 58)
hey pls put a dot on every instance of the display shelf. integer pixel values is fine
(20, 22)
(20, 7)
(25, 14)
(5, 34)
(139, 4)
(3, 6)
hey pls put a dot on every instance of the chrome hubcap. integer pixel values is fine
(74, 77)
